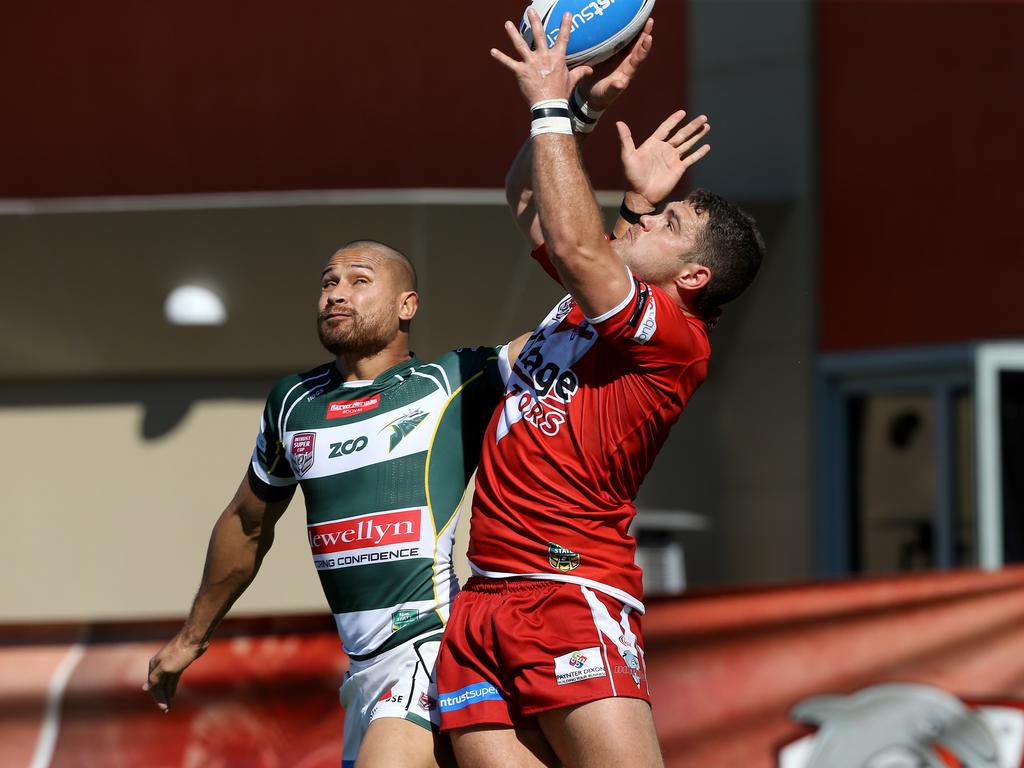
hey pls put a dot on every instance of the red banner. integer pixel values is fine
(740, 679)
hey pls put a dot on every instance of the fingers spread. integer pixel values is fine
(562, 43)
(517, 39)
(540, 38)
(665, 129)
(504, 59)
(625, 137)
(695, 126)
(695, 156)
(686, 146)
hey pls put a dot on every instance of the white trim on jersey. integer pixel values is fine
(356, 384)
(447, 384)
(434, 379)
(283, 417)
(621, 306)
(623, 597)
(504, 364)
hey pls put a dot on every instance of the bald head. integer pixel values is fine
(401, 267)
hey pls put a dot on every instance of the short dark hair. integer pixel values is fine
(730, 245)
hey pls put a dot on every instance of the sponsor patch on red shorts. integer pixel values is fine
(579, 665)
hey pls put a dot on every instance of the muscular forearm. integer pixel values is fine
(570, 218)
(233, 558)
(520, 195)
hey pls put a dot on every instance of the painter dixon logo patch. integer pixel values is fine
(580, 665)
(465, 697)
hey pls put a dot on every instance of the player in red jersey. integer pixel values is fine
(543, 660)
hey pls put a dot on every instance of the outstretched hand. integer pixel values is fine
(655, 168)
(542, 74)
(612, 77)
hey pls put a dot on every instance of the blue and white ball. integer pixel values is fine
(600, 28)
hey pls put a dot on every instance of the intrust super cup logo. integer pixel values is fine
(906, 726)
(303, 454)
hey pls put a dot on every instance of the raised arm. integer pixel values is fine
(241, 538)
(570, 220)
(597, 92)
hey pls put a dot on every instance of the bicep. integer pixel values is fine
(255, 509)
(515, 348)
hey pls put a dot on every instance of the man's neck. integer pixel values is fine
(669, 287)
(369, 367)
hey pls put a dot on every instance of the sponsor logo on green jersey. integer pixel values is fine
(404, 425)
(403, 618)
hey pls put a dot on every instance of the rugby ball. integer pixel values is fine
(600, 28)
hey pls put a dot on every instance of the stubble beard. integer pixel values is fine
(358, 337)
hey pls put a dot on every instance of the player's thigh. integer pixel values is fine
(391, 742)
(607, 733)
(500, 747)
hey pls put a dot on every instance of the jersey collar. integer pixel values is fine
(392, 375)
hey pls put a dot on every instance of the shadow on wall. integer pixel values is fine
(166, 403)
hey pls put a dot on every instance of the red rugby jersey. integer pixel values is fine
(588, 406)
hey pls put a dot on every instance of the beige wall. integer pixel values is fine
(105, 524)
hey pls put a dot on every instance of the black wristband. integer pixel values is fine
(577, 110)
(631, 216)
(541, 112)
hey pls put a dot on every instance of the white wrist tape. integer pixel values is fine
(550, 116)
(584, 118)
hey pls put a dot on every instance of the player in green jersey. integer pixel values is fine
(383, 445)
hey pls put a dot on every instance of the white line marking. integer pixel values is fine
(47, 741)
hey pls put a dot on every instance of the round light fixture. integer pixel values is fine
(194, 305)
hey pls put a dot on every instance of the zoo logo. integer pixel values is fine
(348, 447)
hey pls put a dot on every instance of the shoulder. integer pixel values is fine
(299, 384)
(465, 362)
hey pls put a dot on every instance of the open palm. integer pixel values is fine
(653, 170)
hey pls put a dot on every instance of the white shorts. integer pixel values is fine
(398, 683)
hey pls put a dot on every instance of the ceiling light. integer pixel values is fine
(194, 305)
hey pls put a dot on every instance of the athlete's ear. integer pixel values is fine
(691, 281)
(409, 304)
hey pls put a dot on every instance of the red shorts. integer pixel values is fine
(516, 647)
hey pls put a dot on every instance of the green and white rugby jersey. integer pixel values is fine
(383, 466)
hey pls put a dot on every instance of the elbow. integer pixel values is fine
(572, 250)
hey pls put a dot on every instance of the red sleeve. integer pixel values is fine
(653, 330)
(540, 255)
